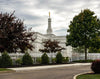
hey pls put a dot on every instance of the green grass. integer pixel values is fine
(89, 76)
(4, 69)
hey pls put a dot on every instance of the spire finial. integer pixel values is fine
(49, 14)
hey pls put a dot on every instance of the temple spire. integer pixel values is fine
(49, 14)
(49, 29)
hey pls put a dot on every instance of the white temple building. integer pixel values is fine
(68, 52)
(41, 37)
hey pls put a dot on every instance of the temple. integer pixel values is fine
(42, 37)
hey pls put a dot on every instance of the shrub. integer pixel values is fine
(59, 58)
(96, 66)
(53, 60)
(38, 60)
(45, 59)
(18, 61)
(27, 59)
(65, 59)
(84, 61)
(6, 60)
(0, 61)
(89, 60)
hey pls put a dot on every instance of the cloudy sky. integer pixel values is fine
(34, 13)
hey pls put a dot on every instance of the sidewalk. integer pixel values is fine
(46, 67)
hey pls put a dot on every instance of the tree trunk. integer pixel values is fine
(50, 57)
(85, 53)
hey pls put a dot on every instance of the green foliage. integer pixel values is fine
(5, 69)
(45, 59)
(65, 59)
(54, 60)
(78, 50)
(59, 58)
(18, 61)
(38, 60)
(95, 45)
(27, 59)
(6, 61)
(82, 30)
(94, 50)
(81, 27)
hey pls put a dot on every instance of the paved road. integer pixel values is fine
(54, 73)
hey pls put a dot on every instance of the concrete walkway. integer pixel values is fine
(47, 67)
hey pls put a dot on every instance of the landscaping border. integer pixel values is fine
(80, 74)
(18, 69)
(7, 71)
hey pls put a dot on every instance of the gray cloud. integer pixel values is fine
(35, 12)
(29, 17)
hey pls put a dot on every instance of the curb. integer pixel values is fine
(80, 74)
(44, 67)
(7, 71)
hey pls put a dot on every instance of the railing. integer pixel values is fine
(81, 56)
(33, 55)
(75, 56)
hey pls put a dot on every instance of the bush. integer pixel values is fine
(6, 60)
(96, 66)
(38, 60)
(53, 60)
(59, 58)
(84, 61)
(27, 59)
(45, 59)
(0, 61)
(65, 59)
(18, 61)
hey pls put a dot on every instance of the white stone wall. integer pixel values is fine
(62, 39)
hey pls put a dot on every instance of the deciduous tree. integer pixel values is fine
(13, 34)
(82, 30)
(51, 46)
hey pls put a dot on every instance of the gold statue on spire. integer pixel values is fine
(49, 14)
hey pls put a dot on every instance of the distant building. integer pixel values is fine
(41, 37)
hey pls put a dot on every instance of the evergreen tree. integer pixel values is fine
(59, 58)
(45, 59)
(6, 61)
(27, 59)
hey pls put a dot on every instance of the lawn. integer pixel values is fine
(4, 69)
(89, 76)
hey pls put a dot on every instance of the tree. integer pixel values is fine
(45, 59)
(27, 59)
(78, 50)
(82, 30)
(59, 58)
(95, 48)
(51, 47)
(6, 60)
(13, 34)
